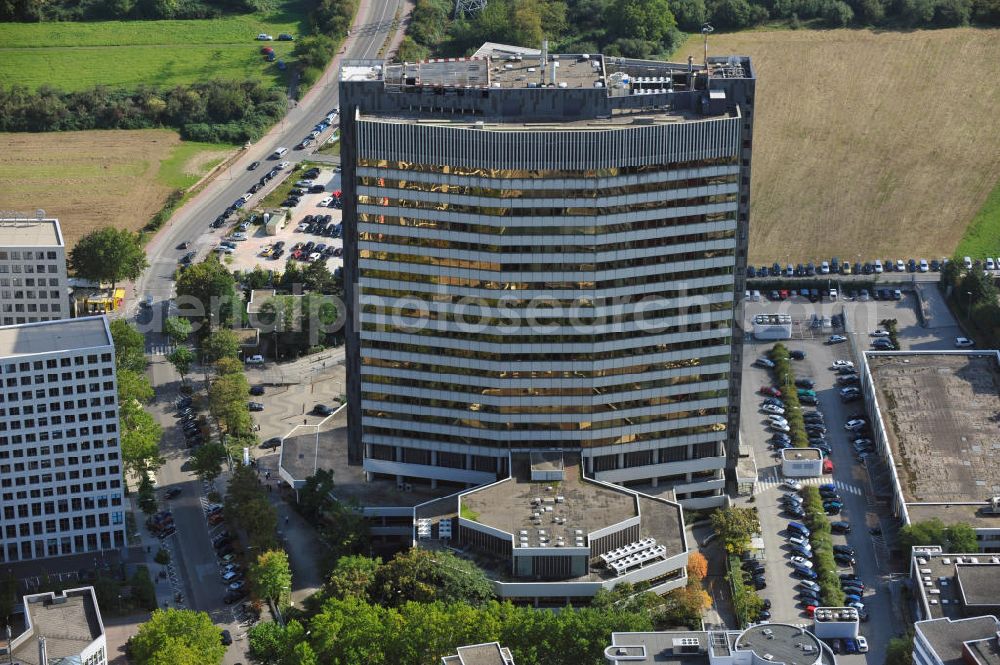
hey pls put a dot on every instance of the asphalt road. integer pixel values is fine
(194, 556)
(191, 223)
(854, 486)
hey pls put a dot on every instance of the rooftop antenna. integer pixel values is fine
(706, 30)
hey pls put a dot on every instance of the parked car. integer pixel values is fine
(836, 339)
(963, 342)
(255, 406)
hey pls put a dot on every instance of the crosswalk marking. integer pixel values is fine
(770, 482)
(160, 349)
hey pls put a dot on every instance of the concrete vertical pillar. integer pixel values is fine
(690, 451)
(468, 461)
(621, 460)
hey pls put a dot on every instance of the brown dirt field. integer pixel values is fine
(200, 162)
(86, 179)
(873, 144)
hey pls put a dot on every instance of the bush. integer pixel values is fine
(143, 591)
(211, 111)
(162, 557)
(746, 603)
(785, 377)
(822, 547)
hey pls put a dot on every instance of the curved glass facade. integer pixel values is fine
(520, 287)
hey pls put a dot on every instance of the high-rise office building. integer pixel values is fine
(32, 271)
(60, 466)
(543, 252)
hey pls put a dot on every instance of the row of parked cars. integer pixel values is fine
(320, 127)
(295, 195)
(188, 421)
(836, 267)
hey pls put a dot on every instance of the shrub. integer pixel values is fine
(822, 548)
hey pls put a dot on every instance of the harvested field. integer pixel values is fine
(879, 144)
(92, 179)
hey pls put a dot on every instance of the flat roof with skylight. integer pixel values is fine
(955, 585)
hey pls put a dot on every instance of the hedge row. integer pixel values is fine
(822, 548)
(746, 603)
(785, 377)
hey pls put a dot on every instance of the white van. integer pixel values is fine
(255, 360)
(878, 266)
(279, 153)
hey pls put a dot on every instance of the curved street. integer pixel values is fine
(194, 570)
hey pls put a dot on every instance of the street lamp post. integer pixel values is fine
(968, 312)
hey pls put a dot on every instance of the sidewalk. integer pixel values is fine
(297, 536)
(166, 587)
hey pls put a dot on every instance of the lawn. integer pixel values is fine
(982, 238)
(75, 56)
(97, 178)
(869, 143)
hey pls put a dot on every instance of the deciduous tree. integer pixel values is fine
(736, 527)
(697, 567)
(222, 343)
(181, 358)
(206, 293)
(271, 576)
(108, 255)
(177, 329)
(130, 346)
(177, 636)
(961, 538)
(206, 461)
(423, 576)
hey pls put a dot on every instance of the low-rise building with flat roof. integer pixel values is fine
(954, 585)
(60, 628)
(802, 462)
(972, 641)
(33, 281)
(490, 653)
(549, 535)
(763, 644)
(934, 424)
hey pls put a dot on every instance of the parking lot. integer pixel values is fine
(857, 486)
(247, 254)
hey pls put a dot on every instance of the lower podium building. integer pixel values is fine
(547, 535)
(763, 644)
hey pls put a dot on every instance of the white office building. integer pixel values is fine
(33, 283)
(60, 466)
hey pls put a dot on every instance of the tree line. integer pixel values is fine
(213, 111)
(647, 28)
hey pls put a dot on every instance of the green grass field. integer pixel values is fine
(982, 237)
(74, 56)
(189, 161)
